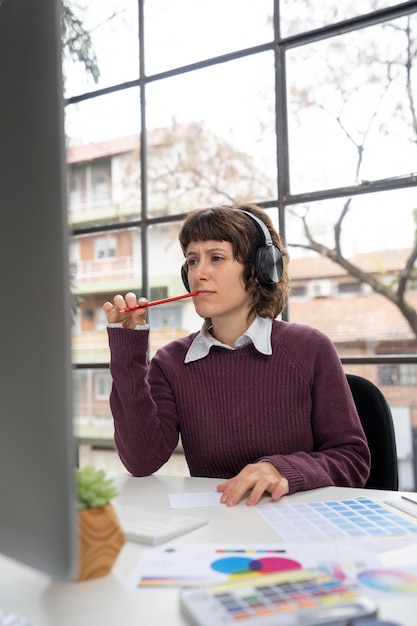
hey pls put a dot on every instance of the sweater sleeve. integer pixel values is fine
(144, 440)
(340, 456)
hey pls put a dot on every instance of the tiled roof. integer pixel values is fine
(358, 318)
(315, 267)
(91, 151)
(121, 145)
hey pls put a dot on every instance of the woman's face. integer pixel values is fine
(214, 272)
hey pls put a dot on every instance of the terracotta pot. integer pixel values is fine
(100, 541)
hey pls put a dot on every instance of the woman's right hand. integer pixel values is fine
(115, 312)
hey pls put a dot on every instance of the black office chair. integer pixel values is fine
(375, 415)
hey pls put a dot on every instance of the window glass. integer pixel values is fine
(107, 259)
(103, 118)
(211, 136)
(102, 381)
(374, 256)
(349, 288)
(351, 107)
(159, 293)
(298, 291)
(103, 160)
(108, 31)
(397, 374)
(103, 265)
(185, 31)
(304, 15)
(211, 139)
(104, 247)
(388, 374)
(407, 373)
(165, 258)
(89, 335)
(89, 184)
(100, 317)
(366, 225)
(93, 423)
(165, 316)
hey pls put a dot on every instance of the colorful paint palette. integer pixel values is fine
(389, 581)
(357, 518)
(303, 597)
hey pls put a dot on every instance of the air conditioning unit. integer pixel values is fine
(320, 288)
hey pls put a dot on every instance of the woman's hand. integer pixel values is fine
(129, 319)
(256, 478)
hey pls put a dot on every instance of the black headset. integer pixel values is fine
(268, 258)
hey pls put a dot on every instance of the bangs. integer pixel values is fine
(208, 224)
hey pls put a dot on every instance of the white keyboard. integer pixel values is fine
(11, 619)
(153, 528)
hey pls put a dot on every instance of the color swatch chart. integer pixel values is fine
(303, 597)
(356, 518)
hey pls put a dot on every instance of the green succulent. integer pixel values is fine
(93, 488)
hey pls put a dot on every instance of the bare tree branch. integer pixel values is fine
(396, 291)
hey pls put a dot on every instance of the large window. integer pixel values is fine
(397, 374)
(306, 108)
(90, 184)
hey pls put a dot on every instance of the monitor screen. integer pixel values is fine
(37, 450)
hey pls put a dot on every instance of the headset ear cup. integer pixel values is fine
(268, 259)
(184, 276)
(269, 265)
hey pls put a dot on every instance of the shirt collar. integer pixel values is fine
(258, 333)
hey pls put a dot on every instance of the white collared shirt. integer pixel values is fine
(258, 333)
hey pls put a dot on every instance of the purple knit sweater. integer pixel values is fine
(236, 407)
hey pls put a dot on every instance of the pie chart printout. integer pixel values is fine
(235, 566)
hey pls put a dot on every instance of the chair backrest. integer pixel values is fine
(375, 415)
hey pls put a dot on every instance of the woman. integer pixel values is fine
(261, 403)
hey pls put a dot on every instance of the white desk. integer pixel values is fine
(107, 601)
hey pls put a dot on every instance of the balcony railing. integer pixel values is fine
(108, 267)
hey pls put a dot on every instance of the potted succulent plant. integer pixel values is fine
(100, 535)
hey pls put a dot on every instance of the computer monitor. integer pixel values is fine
(37, 450)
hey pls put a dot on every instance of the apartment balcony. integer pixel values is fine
(99, 212)
(110, 274)
(90, 347)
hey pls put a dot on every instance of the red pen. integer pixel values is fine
(155, 302)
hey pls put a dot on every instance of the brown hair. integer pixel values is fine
(229, 223)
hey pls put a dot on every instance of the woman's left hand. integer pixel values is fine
(256, 478)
